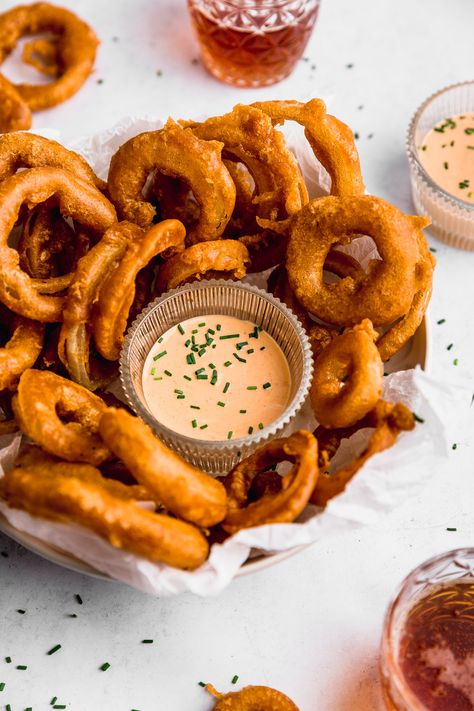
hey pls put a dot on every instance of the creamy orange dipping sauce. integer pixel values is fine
(447, 155)
(216, 378)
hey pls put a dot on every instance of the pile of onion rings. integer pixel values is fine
(80, 258)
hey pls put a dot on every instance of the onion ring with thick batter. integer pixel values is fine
(122, 523)
(178, 153)
(252, 698)
(195, 262)
(60, 416)
(347, 381)
(76, 49)
(301, 448)
(182, 488)
(332, 141)
(386, 291)
(15, 114)
(21, 350)
(388, 420)
(76, 199)
(117, 293)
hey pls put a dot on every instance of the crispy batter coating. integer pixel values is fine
(331, 140)
(75, 49)
(386, 291)
(117, 293)
(92, 270)
(178, 153)
(76, 198)
(182, 488)
(21, 350)
(27, 150)
(73, 499)
(252, 698)
(301, 448)
(388, 420)
(347, 381)
(15, 114)
(227, 256)
(60, 416)
(42, 54)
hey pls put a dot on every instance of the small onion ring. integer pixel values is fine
(178, 153)
(353, 355)
(22, 349)
(182, 488)
(117, 293)
(76, 198)
(195, 262)
(70, 499)
(252, 698)
(383, 294)
(301, 448)
(43, 398)
(15, 114)
(76, 49)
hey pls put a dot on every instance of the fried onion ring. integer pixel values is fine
(60, 416)
(92, 270)
(178, 153)
(42, 54)
(21, 350)
(122, 523)
(386, 291)
(117, 293)
(252, 698)
(76, 198)
(15, 114)
(301, 448)
(182, 488)
(388, 420)
(195, 262)
(76, 49)
(348, 376)
(331, 140)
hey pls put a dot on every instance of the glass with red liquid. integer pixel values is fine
(427, 655)
(252, 42)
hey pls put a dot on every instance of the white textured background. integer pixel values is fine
(310, 626)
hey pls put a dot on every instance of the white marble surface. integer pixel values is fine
(310, 626)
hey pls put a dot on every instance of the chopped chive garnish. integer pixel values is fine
(59, 706)
(186, 377)
(194, 330)
(167, 372)
(417, 418)
(21, 612)
(54, 649)
(229, 434)
(231, 335)
(160, 339)
(153, 371)
(226, 387)
(180, 329)
(455, 446)
(469, 131)
(201, 683)
(180, 397)
(22, 667)
(190, 359)
(241, 344)
(147, 641)
(212, 366)
(158, 377)
(211, 331)
(455, 361)
(227, 363)
(446, 166)
(194, 423)
(203, 427)
(104, 666)
(53, 700)
(242, 412)
(203, 323)
(73, 614)
(235, 679)
(236, 355)
(160, 355)
(8, 707)
(214, 377)
(178, 392)
(202, 377)
(448, 348)
(221, 404)
(201, 352)
(195, 407)
(451, 529)
(78, 599)
(218, 327)
(266, 386)
(209, 340)
(8, 660)
(250, 350)
(260, 425)
(251, 387)
(442, 320)
(2, 685)
(199, 371)
(262, 348)
(250, 430)
(187, 343)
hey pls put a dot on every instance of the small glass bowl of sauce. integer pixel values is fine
(440, 148)
(217, 369)
(427, 654)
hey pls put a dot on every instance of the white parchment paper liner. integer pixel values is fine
(386, 480)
